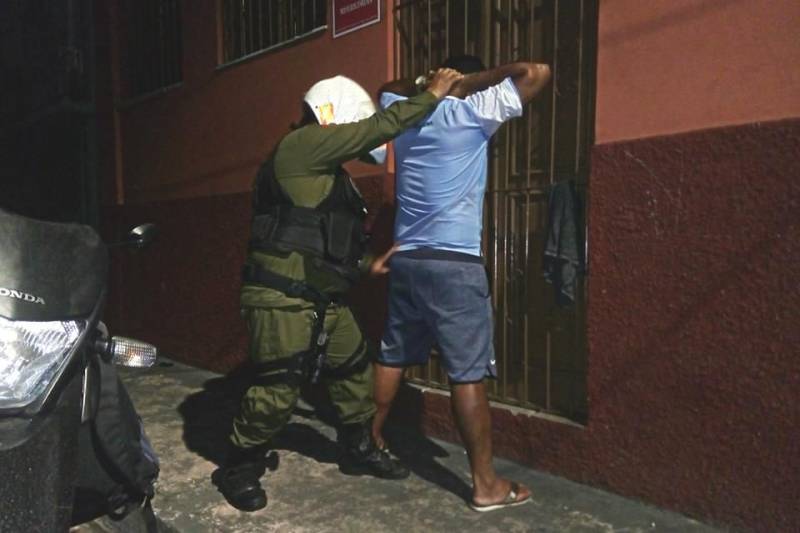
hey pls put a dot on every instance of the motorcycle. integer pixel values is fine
(53, 349)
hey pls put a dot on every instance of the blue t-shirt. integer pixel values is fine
(441, 169)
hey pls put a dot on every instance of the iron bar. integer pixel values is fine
(466, 29)
(578, 123)
(554, 92)
(430, 38)
(447, 28)
(548, 375)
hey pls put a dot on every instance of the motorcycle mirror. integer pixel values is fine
(142, 235)
(131, 352)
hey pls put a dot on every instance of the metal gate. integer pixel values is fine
(541, 347)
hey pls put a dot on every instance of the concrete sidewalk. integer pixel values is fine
(187, 415)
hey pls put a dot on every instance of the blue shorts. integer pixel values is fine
(445, 302)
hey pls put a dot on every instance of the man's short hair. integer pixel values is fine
(465, 64)
(307, 117)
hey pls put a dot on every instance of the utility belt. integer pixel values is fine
(335, 239)
(293, 288)
(307, 365)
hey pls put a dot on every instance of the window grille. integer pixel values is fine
(251, 26)
(540, 347)
(154, 51)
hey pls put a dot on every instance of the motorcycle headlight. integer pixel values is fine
(32, 355)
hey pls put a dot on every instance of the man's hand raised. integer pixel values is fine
(442, 81)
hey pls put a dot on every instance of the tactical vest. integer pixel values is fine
(331, 233)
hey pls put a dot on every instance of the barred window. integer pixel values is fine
(154, 52)
(251, 26)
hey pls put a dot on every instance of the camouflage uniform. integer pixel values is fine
(305, 164)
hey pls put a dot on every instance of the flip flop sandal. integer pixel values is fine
(509, 501)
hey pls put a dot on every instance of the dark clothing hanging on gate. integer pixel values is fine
(563, 259)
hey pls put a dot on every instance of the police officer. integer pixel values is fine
(306, 249)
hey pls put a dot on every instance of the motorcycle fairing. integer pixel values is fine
(48, 270)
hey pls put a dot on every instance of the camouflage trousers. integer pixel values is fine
(276, 333)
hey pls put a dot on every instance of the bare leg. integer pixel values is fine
(471, 412)
(387, 381)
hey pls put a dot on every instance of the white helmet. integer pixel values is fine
(340, 100)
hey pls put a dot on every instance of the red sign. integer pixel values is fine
(351, 15)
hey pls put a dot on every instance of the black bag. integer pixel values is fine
(117, 467)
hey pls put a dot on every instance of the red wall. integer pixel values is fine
(668, 66)
(185, 159)
(694, 245)
(693, 233)
(693, 322)
(208, 135)
(182, 292)
(693, 340)
(694, 306)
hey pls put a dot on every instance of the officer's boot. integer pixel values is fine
(238, 479)
(362, 455)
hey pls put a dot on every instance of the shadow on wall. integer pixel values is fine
(208, 415)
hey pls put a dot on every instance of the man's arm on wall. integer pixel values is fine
(529, 79)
